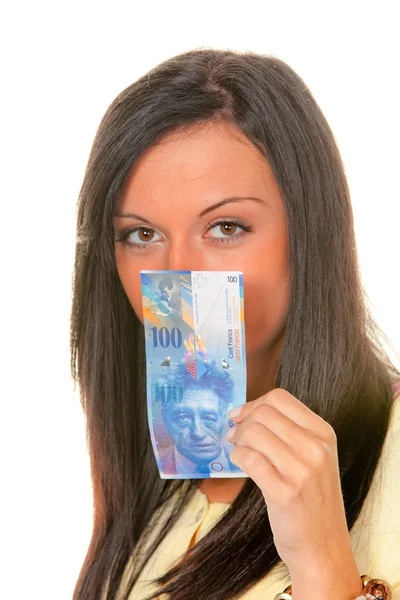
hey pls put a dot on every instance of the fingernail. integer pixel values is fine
(234, 412)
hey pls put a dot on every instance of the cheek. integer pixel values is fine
(265, 315)
(130, 280)
(266, 298)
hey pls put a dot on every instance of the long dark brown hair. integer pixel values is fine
(332, 359)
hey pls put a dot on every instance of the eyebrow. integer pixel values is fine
(231, 199)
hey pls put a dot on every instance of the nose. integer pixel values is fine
(182, 256)
(197, 429)
(181, 262)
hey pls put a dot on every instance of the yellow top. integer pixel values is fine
(375, 537)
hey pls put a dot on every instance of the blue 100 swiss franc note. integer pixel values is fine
(196, 369)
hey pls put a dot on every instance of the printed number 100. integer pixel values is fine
(164, 337)
(232, 278)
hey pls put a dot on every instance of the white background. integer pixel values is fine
(62, 65)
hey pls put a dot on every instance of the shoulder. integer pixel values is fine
(376, 533)
(388, 470)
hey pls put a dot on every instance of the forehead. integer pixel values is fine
(205, 163)
(196, 399)
(199, 396)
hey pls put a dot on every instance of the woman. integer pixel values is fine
(219, 160)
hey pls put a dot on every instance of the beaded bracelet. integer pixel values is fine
(373, 589)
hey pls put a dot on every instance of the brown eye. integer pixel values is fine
(225, 229)
(139, 238)
(228, 228)
(145, 235)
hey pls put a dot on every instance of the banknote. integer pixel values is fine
(195, 367)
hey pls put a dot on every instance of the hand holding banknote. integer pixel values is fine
(291, 454)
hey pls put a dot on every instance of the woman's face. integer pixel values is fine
(208, 201)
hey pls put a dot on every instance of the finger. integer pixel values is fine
(303, 442)
(292, 408)
(269, 416)
(259, 438)
(259, 469)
